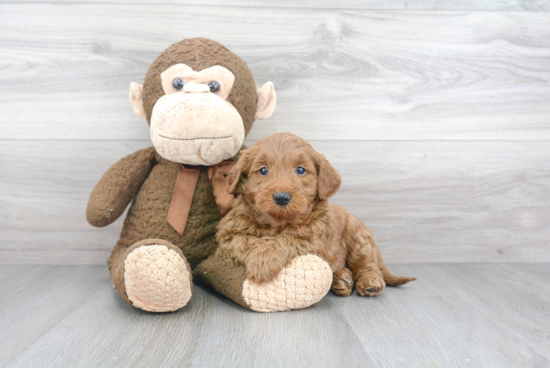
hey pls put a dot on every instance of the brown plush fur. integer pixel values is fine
(149, 179)
(265, 237)
(146, 217)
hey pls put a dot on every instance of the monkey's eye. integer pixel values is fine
(300, 170)
(263, 171)
(214, 86)
(178, 84)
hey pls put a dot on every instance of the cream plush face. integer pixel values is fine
(193, 123)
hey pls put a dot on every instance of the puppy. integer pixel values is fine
(282, 212)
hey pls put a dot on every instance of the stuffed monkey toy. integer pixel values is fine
(200, 101)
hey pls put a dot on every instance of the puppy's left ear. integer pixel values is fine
(236, 173)
(328, 179)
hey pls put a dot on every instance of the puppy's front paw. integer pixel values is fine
(342, 282)
(370, 285)
(302, 283)
(260, 273)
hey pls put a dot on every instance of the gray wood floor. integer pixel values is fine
(471, 315)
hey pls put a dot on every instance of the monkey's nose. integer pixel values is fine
(281, 198)
(192, 87)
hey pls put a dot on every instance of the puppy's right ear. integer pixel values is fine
(238, 170)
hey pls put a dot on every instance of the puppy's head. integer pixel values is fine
(283, 176)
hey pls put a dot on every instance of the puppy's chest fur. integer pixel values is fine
(324, 231)
(320, 233)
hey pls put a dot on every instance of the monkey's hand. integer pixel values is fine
(118, 186)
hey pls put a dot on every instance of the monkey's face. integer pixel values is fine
(200, 100)
(193, 123)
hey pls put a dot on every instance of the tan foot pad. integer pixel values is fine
(157, 279)
(304, 282)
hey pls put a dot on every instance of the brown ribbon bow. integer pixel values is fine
(184, 189)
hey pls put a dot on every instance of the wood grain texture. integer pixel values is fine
(495, 5)
(482, 315)
(459, 315)
(340, 74)
(424, 201)
(439, 121)
(35, 299)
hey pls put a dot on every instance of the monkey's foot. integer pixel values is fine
(304, 282)
(157, 279)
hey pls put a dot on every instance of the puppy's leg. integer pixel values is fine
(365, 260)
(342, 282)
(266, 257)
(369, 280)
(362, 258)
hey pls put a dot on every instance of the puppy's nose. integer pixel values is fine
(281, 198)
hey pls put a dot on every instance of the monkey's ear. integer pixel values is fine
(267, 99)
(236, 173)
(136, 98)
(328, 179)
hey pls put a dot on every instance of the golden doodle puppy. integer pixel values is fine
(282, 212)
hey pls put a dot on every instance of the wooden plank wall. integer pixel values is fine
(436, 113)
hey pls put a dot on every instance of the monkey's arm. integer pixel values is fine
(118, 186)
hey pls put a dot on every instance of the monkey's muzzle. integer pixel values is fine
(196, 128)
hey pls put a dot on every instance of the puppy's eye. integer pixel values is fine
(214, 86)
(178, 84)
(300, 170)
(263, 171)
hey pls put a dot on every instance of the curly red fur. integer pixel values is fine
(265, 236)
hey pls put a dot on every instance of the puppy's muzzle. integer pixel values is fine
(281, 198)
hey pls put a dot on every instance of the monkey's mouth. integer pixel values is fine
(194, 139)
